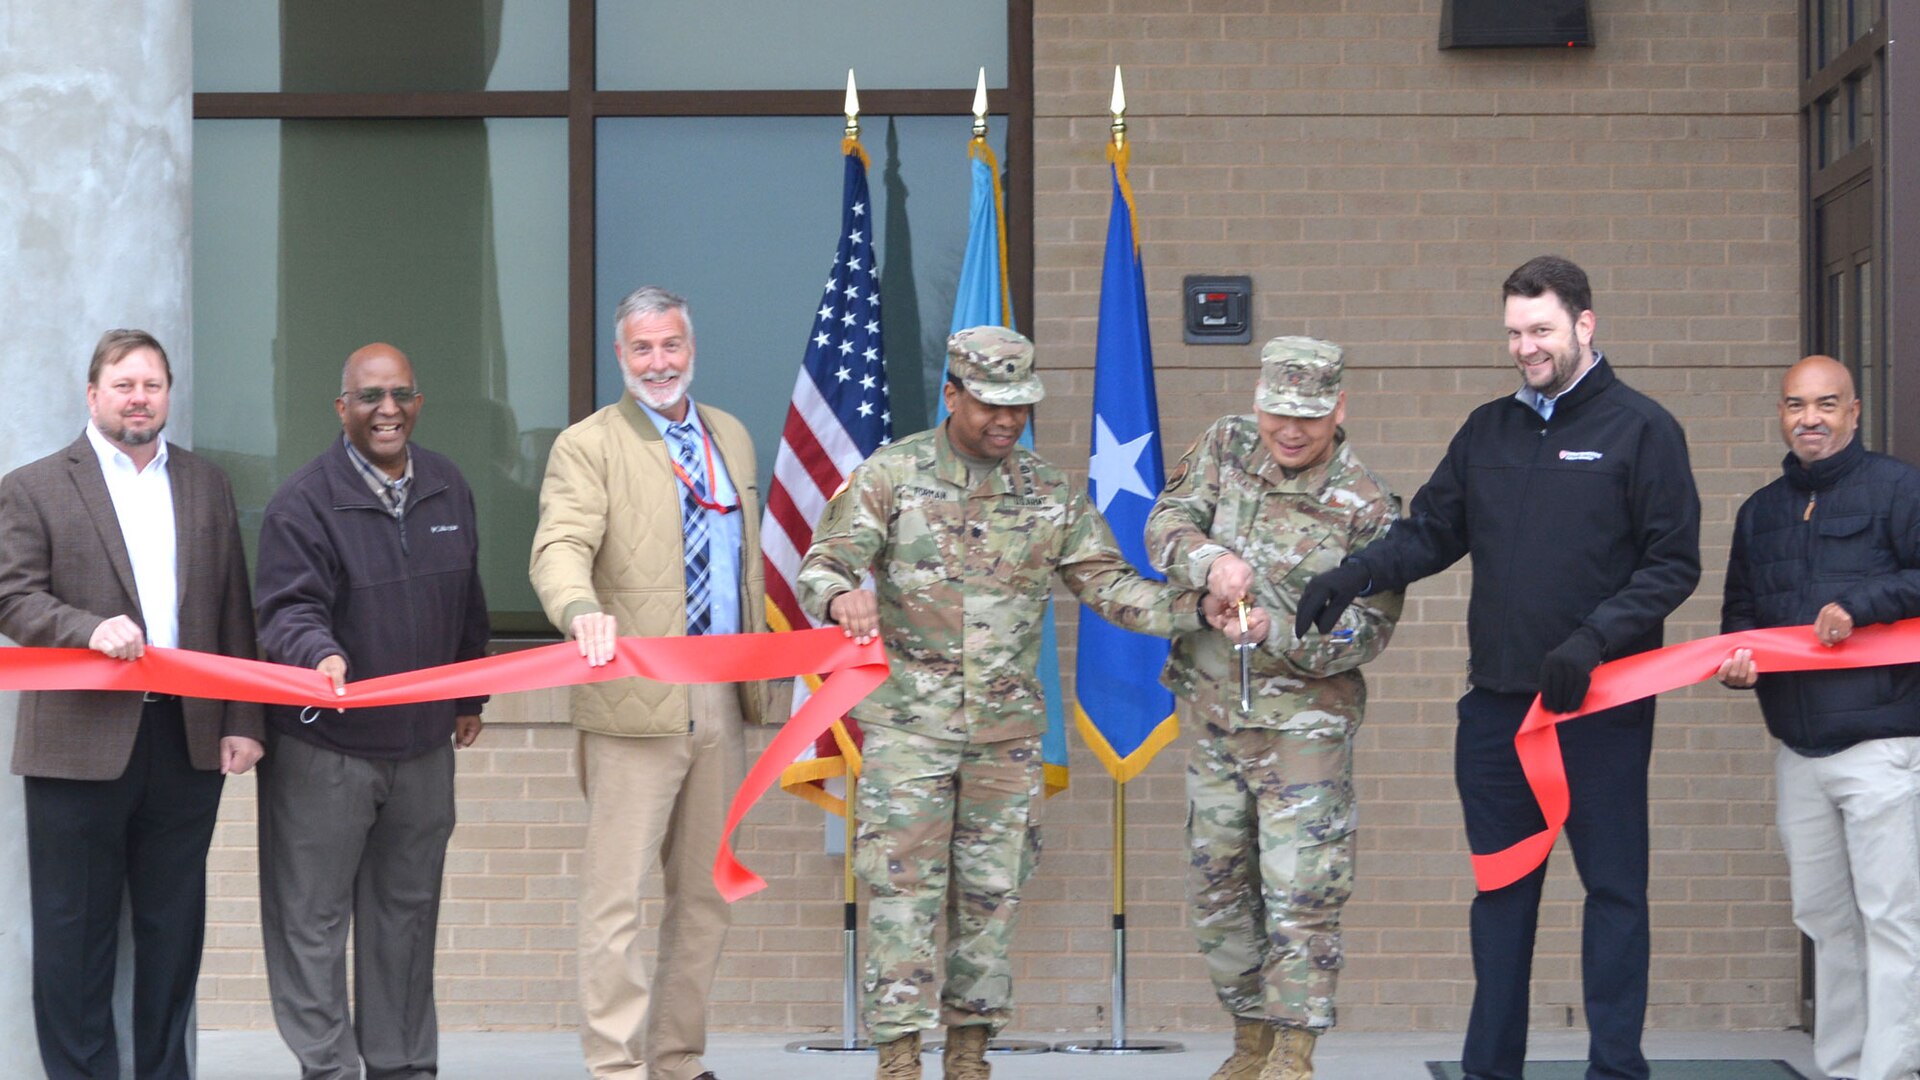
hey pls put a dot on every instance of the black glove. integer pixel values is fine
(1568, 669)
(1327, 596)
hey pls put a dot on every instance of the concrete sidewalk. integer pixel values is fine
(259, 1055)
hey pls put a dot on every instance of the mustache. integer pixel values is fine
(1811, 429)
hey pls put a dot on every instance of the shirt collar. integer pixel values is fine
(390, 491)
(660, 421)
(1544, 405)
(948, 465)
(112, 457)
(1310, 479)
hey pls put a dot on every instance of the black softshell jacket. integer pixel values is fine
(1588, 519)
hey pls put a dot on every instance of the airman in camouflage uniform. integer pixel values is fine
(1257, 507)
(963, 532)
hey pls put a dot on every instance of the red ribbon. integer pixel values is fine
(1780, 648)
(853, 671)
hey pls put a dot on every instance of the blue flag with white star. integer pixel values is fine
(1124, 713)
(982, 300)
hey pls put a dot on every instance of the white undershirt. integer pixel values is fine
(143, 501)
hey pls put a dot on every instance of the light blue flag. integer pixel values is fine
(982, 300)
(1124, 713)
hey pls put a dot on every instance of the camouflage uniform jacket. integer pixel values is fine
(1228, 494)
(963, 577)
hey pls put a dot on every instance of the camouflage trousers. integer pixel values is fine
(1270, 823)
(944, 826)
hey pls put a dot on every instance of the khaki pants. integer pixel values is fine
(1850, 823)
(660, 798)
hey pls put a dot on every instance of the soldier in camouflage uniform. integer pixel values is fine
(964, 532)
(1257, 507)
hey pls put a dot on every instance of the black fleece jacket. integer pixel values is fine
(1588, 520)
(1845, 530)
(339, 574)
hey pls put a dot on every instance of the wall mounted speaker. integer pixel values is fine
(1492, 24)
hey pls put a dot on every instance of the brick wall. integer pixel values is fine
(1378, 191)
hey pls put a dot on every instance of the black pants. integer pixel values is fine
(89, 843)
(1606, 759)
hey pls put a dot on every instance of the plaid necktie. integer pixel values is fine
(693, 527)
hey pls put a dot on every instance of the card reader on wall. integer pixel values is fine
(1218, 310)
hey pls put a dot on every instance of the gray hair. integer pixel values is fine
(649, 300)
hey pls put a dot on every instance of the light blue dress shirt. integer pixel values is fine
(723, 556)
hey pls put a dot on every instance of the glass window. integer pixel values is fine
(1869, 365)
(1833, 127)
(741, 216)
(1836, 31)
(375, 46)
(1861, 102)
(446, 238)
(1836, 321)
(783, 45)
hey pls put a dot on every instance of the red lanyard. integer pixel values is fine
(705, 503)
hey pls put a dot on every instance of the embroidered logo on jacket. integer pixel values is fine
(444, 528)
(1580, 455)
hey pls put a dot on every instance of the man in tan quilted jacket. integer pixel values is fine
(649, 525)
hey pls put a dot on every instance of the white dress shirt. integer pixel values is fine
(143, 501)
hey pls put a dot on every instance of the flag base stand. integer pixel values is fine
(1118, 1043)
(1001, 1047)
(1137, 1046)
(849, 1042)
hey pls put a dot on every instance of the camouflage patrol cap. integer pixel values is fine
(1299, 376)
(995, 364)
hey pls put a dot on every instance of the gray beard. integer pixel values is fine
(132, 438)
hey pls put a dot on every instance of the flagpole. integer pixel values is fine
(850, 1040)
(1118, 1043)
(978, 145)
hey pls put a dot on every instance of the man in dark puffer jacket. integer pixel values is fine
(1836, 543)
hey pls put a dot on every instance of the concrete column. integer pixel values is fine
(96, 107)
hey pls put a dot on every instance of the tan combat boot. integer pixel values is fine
(966, 1056)
(1291, 1057)
(899, 1059)
(1252, 1039)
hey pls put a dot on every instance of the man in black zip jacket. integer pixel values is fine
(1834, 544)
(369, 565)
(1575, 499)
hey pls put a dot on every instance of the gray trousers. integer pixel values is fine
(346, 840)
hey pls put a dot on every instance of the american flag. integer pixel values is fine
(838, 416)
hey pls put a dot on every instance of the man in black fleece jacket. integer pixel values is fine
(1575, 500)
(368, 566)
(1833, 544)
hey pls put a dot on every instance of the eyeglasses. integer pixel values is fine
(403, 396)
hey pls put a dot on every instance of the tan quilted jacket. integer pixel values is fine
(609, 539)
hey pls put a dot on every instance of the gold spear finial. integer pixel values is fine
(1119, 109)
(852, 108)
(980, 106)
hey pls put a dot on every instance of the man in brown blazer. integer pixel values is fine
(114, 543)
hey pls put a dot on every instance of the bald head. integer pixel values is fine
(1819, 410)
(367, 354)
(378, 405)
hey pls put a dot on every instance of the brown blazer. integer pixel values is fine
(64, 570)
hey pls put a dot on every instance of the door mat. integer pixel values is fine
(1662, 1070)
